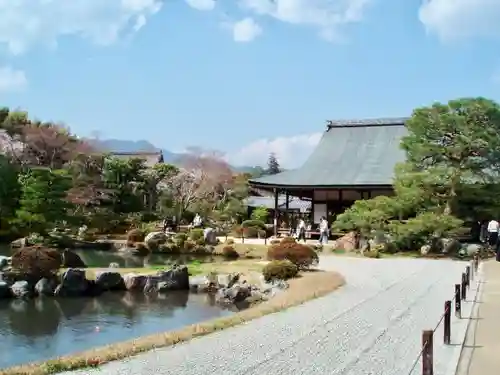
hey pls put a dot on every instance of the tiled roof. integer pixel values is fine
(350, 153)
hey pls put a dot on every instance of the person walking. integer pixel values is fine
(323, 231)
(301, 230)
(493, 228)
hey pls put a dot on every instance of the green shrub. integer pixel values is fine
(136, 235)
(254, 224)
(373, 253)
(180, 239)
(169, 248)
(302, 256)
(250, 232)
(195, 234)
(229, 252)
(200, 241)
(260, 214)
(279, 270)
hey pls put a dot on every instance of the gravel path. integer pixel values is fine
(371, 326)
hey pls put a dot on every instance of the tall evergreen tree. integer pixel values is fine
(273, 166)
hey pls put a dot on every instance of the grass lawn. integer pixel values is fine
(243, 266)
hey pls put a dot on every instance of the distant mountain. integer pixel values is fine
(119, 145)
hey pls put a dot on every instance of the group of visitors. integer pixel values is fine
(301, 228)
(171, 223)
(492, 236)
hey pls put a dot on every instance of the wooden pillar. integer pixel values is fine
(276, 213)
(287, 209)
(312, 210)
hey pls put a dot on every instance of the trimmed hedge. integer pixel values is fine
(302, 256)
(280, 270)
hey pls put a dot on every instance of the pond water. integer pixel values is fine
(94, 258)
(44, 328)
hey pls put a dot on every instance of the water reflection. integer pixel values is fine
(43, 328)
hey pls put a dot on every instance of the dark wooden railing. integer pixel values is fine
(427, 352)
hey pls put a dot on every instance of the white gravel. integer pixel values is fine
(371, 326)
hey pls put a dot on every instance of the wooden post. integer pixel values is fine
(476, 262)
(287, 209)
(458, 303)
(471, 272)
(463, 287)
(276, 213)
(447, 323)
(427, 353)
(467, 276)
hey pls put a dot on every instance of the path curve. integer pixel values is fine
(372, 326)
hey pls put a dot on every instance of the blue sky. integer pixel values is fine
(246, 77)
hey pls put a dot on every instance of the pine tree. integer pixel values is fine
(273, 166)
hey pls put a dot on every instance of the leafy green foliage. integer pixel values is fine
(43, 202)
(260, 214)
(279, 270)
(367, 216)
(273, 166)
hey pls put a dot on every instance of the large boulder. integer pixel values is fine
(134, 281)
(110, 280)
(4, 261)
(236, 294)
(448, 245)
(469, 250)
(158, 237)
(73, 284)
(177, 278)
(71, 259)
(21, 289)
(348, 242)
(210, 236)
(201, 284)
(45, 287)
(4, 290)
(151, 284)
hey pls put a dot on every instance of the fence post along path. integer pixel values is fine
(424, 363)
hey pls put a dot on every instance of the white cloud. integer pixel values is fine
(24, 23)
(201, 4)
(325, 15)
(457, 19)
(246, 30)
(290, 151)
(11, 79)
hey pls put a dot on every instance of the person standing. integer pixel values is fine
(493, 228)
(323, 231)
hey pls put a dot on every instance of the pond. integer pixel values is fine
(93, 258)
(44, 328)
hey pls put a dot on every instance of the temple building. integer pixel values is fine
(353, 160)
